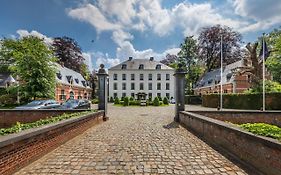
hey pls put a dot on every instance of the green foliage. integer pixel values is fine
(111, 100)
(85, 71)
(116, 100)
(8, 99)
(126, 101)
(193, 99)
(23, 126)
(165, 101)
(160, 98)
(270, 86)
(33, 62)
(122, 98)
(156, 102)
(134, 103)
(263, 129)
(243, 101)
(95, 101)
(3, 91)
(132, 99)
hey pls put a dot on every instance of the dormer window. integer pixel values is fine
(124, 66)
(228, 76)
(141, 66)
(158, 66)
(59, 75)
(69, 79)
(84, 83)
(76, 80)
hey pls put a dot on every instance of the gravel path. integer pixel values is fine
(135, 140)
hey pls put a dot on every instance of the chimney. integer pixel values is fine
(130, 58)
(151, 58)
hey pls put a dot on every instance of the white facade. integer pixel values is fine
(129, 81)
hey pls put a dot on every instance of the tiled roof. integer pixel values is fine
(213, 77)
(6, 77)
(66, 76)
(134, 64)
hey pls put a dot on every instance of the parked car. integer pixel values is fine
(40, 104)
(172, 101)
(76, 104)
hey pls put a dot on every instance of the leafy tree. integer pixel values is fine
(68, 52)
(165, 101)
(209, 45)
(270, 86)
(116, 100)
(156, 101)
(126, 101)
(33, 62)
(169, 60)
(85, 72)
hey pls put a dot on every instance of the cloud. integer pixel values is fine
(91, 14)
(119, 36)
(24, 33)
(102, 58)
(88, 60)
(265, 14)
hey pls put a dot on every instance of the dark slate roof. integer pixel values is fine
(5, 78)
(66, 75)
(135, 63)
(210, 78)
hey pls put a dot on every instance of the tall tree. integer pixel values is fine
(209, 44)
(68, 52)
(33, 62)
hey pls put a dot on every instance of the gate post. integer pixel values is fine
(103, 90)
(179, 91)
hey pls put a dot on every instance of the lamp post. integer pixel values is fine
(103, 90)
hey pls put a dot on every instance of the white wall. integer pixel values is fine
(145, 81)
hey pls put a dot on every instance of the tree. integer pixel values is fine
(188, 57)
(209, 44)
(33, 62)
(85, 72)
(69, 53)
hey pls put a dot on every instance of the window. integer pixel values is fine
(167, 76)
(168, 95)
(133, 95)
(114, 95)
(225, 91)
(132, 86)
(132, 76)
(149, 86)
(123, 94)
(158, 86)
(141, 76)
(124, 66)
(115, 86)
(123, 86)
(141, 86)
(149, 76)
(150, 95)
(158, 66)
(62, 95)
(123, 76)
(141, 66)
(158, 94)
(114, 76)
(167, 86)
(158, 76)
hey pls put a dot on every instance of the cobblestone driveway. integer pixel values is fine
(135, 140)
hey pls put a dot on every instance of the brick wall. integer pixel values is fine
(10, 117)
(259, 152)
(18, 150)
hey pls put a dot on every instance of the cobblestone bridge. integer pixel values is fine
(135, 140)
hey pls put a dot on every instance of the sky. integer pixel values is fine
(109, 31)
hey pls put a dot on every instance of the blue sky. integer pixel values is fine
(138, 28)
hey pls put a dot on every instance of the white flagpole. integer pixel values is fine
(221, 78)
(263, 74)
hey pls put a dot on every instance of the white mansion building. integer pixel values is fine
(141, 76)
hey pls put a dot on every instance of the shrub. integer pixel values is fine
(193, 99)
(134, 103)
(116, 100)
(3, 91)
(111, 100)
(132, 99)
(95, 101)
(165, 101)
(122, 98)
(160, 98)
(8, 99)
(263, 129)
(126, 101)
(156, 101)
(160, 103)
(243, 101)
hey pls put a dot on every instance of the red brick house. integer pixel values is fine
(71, 84)
(233, 81)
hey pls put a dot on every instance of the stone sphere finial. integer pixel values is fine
(101, 69)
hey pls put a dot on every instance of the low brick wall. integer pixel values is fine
(18, 150)
(9, 117)
(260, 152)
(240, 117)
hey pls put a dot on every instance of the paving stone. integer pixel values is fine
(135, 140)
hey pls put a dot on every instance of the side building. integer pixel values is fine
(144, 78)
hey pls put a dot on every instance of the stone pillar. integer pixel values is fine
(103, 90)
(179, 91)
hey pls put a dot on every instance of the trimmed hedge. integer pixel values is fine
(193, 99)
(243, 101)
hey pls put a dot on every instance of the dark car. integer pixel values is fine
(76, 104)
(40, 104)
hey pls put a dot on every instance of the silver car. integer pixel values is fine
(40, 104)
